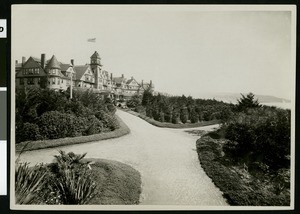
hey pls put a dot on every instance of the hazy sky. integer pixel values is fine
(183, 50)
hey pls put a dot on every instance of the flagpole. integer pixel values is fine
(71, 87)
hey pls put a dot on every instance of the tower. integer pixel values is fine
(96, 68)
(53, 71)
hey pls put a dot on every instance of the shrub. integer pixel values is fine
(109, 121)
(95, 126)
(262, 135)
(134, 101)
(76, 107)
(140, 109)
(111, 108)
(28, 131)
(54, 124)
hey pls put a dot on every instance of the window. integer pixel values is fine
(21, 81)
(39, 81)
(30, 81)
(37, 71)
(53, 81)
(58, 81)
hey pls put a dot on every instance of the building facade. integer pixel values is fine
(60, 76)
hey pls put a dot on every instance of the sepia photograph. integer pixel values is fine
(152, 107)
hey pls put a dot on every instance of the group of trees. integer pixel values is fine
(256, 133)
(47, 114)
(179, 109)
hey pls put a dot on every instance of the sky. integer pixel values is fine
(182, 49)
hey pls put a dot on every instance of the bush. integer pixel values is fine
(134, 101)
(54, 124)
(140, 109)
(262, 135)
(111, 108)
(109, 121)
(95, 126)
(27, 131)
(48, 114)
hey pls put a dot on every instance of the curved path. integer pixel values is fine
(166, 158)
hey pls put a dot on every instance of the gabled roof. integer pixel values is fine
(65, 67)
(95, 55)
(36, 59)
(131, 80)
(31, 63)
(80, 70)
(119, 79)
(53, 63)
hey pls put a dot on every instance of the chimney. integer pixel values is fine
(111, 76)
(23, 60)
(142, 82)
(151, 82)
(16, 62)
(132, 78)
(72, 62)
(43, 60)
(122, 75)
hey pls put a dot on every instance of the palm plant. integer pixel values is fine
(71, 179)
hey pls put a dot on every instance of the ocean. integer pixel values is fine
(279, 105)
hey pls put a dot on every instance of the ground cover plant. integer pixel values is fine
(73, 179)
(248, 158)
(43, 114)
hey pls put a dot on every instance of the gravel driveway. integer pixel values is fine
(166, 158)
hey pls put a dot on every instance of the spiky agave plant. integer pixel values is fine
(72, 179)
(28, 183)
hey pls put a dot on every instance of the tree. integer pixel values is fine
(194, 116)
(147, 97)
(184, 115)
(247, 101)
(134, 101)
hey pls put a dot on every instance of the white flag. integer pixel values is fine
(92, 40)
